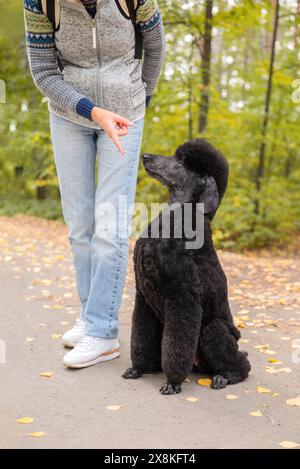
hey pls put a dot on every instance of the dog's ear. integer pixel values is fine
(210, 195)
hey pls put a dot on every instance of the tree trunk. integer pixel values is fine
(297, 28)
(190, 93)
(262, 151)
(205, 66)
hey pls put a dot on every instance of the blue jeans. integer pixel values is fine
(99, 254)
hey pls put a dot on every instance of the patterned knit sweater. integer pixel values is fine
(41, 46)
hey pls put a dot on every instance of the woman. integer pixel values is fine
(97, 94)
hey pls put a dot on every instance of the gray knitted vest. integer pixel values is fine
(97, 55)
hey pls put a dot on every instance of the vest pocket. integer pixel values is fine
(138, 93)
(137, 86)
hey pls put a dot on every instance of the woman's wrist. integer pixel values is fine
(95, 112)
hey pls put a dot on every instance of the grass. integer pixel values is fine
(48, 208)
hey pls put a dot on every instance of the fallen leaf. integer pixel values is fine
(113, 407)
(192, 399)
(244, 341)
(25, 420)
(37, 434)
(56, 336)
(274, 360)
(204, 382)
(256, 413)
(46, 374)
(262, 390)
(243, 311)
(268, 351)
(294, 402)
(231, 397)
(275, 394)
(289, 444)
(272, 370)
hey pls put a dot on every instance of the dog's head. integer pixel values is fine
(196, 173)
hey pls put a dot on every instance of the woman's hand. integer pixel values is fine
(114, 125)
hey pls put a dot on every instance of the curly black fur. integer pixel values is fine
(182, 317)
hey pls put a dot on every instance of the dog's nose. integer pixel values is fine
(146, 156)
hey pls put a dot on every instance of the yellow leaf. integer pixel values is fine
(268, 351)
(37, 434)
(273, 370)
(239, 324)
(285, 370)
(192, 399)
(243, 311)
(275, 394)
(294, 402)
(113, 407)
(56, 336)
(231, 397)
(256, 413)
(262, 390)
(46, 374)
(244, 341)
(274, 360)
(205, 382)
(58, 307)
(25, 420)
(289, 444)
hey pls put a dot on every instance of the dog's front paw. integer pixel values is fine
(132, 373)
(168, 389)
(219, 382)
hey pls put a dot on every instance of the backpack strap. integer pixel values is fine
(138, 35)
(50, 7)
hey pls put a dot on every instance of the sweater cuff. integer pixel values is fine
(84, 108)
(148, 100)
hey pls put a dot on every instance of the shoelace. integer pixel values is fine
(86, 343)
(79, 325)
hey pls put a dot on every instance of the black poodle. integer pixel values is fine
(181, 317)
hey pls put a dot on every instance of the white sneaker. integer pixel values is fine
(91, 350)
(72, 337)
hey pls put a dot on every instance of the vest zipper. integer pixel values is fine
(96, 46)
(94, 38)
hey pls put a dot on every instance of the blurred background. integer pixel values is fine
(231, 75)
